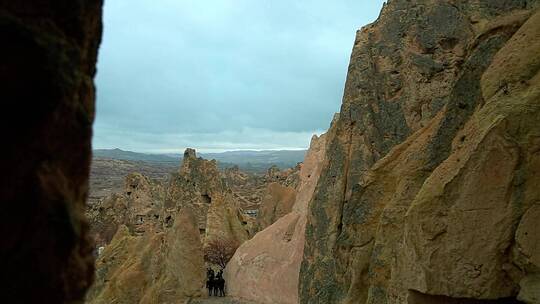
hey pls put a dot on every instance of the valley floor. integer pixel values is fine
(218, 300)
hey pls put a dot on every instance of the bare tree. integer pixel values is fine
(219, 251)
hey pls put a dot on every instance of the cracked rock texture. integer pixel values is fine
(139, 206)
(158, 267)
(153, 234)
(47, 65)
(200, 185)
(430, 187)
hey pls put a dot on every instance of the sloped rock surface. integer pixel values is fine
(265, 269)
(164, 267)
(156, 254)
(278, 201)
(139, 206)
(430, 170)
(47, 63)
(200, 186)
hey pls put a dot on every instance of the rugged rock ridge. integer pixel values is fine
(279, 195)
(247, 188)
(265, 269)
(156, 254)
(278, 201)
(199, 184)
(429, 177)
(139, 206)
(159, 267)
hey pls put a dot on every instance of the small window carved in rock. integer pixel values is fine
(206, 199)
(168, 221)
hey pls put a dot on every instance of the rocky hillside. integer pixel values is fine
(424, 190)
(150, 236)
(199, 184)
(107, 175)
(152, 230)
(47, 65)
(265, 269)
(431, 183)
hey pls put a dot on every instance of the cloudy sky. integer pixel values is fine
(222, 75)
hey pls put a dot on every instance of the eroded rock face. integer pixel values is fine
(163, 267)
(200, 186)
(48, 57)
(431, 167)
(265, 269)
(289, 177)
(159, 230)
(139, 206)
(278, 201)
(248, 189)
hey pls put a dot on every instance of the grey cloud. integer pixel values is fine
(209, 68)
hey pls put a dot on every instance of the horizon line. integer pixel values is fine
(180, 151)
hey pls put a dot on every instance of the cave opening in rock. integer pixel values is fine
(206, 199)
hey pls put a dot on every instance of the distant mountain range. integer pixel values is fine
(136, 156)
(254, 161)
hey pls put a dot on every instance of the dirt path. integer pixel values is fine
(217, 300)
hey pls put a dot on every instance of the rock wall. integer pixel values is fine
(265, 269)
(159, 231)
(139, 206)
(200, 186)
(278, 201)
(161, 267)
(47, 64)
(430, 172)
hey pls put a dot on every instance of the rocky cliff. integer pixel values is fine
(431, 180)
(47, 65)
(265, 269)
(159, 267)
(199, 185)
(278, 201)
(139, 206)
(153, 234)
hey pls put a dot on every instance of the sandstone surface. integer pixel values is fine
(200, 185)
(278, 201)
(47, 63)
(139, 206)
(159, 231)
(428, 187)
(163, 267)
(265, 269)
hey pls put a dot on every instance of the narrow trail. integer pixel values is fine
(217, 300)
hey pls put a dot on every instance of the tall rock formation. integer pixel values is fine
(139, 206)
(47, 65)
(431, 181)
(199, 185)
(265, 269)
(278, 201)
(159, 267)
(159, 230)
